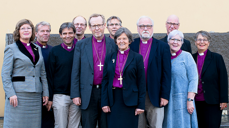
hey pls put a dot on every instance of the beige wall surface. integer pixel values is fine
(195, 15)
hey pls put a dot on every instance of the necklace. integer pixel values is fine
(146, 52)
(121, 70)
(100, 64)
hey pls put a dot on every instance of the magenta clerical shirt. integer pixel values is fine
(68, 48)
(29, 48)
(76, 40)
(100, 47)
(119, 67)
(42, 46)
(173, 56)
(200, 62)
(143, 51)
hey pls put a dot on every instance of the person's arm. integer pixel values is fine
(166, 75)
(104, 90)
(7, 69)
(75, 76)
(223, 82)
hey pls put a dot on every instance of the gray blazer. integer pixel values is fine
(82, 69)
(20, 73)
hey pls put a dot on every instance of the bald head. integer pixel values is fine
(172, 23)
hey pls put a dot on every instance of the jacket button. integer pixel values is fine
(202, 82)
(124, 88)
(34, 66)
(33, 76)
(92, 73)
(204, 91)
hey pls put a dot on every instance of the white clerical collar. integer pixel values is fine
(27, 44)
(69, 47)
(201, 54)
(144, 42)
(43, 46)
(99, 40)
(122, 52)
(174, 54)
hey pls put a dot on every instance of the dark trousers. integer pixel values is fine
(208, 115)
(94, 113)
(47, 118)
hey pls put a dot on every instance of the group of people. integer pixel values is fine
(115, 81)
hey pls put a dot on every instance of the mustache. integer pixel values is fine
(145, 32)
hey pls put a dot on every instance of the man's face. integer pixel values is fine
(145, 28)
(67, 35)
(80, 25)
(172, 24)
(97, 27)
(43, 34)
(113, 26)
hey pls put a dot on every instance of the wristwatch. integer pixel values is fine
(189, 99)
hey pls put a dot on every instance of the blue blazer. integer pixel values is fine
(134, 87)
(159, 70)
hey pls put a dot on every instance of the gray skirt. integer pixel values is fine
(27, 114)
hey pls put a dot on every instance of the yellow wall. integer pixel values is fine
(195, 15)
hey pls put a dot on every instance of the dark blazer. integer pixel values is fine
(134, 86)
(214, 78)
(82, 69)
(186, 46)
(159, 70)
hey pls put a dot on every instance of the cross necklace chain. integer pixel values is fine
(198, 71)
(146, 52)
(100, 60)
(121, 70)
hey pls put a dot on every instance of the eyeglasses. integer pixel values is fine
(176, 40)
(204, 40)
(116, 24)
(145, 26)
(174, 24)
(98, 25)
(23, 29)
(82, 25)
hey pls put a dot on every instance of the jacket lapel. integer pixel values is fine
(195, 57)
(114, 59)
(89, 52)
(207, 61)
(153, 50)
(36, 53)
(108, 45)
(129, 59)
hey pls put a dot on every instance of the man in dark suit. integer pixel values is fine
(87, 72)
(157, 64)
(171, 24)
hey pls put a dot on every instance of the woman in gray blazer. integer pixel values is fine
(24, 79)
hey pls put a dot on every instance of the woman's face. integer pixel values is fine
(25, 32)
(175, 43)
(202, 43)
(123, 42)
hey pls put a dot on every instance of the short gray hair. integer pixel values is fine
(114, 17)
(204, 34)
(122, 30)
(174, 33)
(96, 15)
(42, 23)
(67, 25)
(145, 17)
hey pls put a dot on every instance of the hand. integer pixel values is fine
(106, 109)
(45, 100)
(164, 102)
(223, 105)
(77, 101)
(190, 107)
(138, 111)
(49, 105)
(13, 101)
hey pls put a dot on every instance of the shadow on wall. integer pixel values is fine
(219, 43)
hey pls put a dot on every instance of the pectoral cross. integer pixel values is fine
(120, 78)
(100, 65)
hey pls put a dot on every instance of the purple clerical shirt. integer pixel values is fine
(100, 47)
(119, 67)
(143, 51)
(200, 62)
(176, 54)
(76, 40)
(42, 46)
(29, 48)
(68, 48)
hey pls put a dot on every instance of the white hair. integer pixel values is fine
(174, 33)
(145, 17)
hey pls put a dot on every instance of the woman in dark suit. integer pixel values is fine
(24, 79)
(212, 95)
(123, 85)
